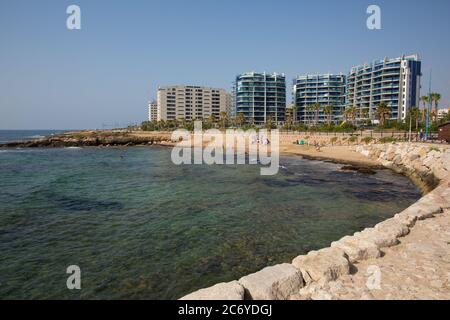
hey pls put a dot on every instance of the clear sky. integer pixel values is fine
(54, 78)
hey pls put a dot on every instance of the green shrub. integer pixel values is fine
(367, 140)
(387, 140)
(435, 149)
(353, 139)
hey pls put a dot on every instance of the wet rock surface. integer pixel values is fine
(364, 170)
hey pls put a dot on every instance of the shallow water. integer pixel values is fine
(140, 227)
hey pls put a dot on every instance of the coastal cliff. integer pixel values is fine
(339, 271)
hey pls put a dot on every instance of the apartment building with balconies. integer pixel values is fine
(190, 102)
(319, 98)
(152, 111)
(260, 96)
(396, 82)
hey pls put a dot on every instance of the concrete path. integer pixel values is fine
(417, 268)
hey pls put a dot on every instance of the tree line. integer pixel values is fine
(352, 119)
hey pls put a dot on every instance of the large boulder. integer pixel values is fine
(423, 209)
(437, 197)
(222, 291)
(357, 249)
(273, 283)
(393, 226)
(381, 239)
(324, 265)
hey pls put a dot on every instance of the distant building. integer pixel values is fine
(321, 90)
(190, 102)
(289, 113)
(231, 107)
(444, 132)
(259, 96)
(152, 111)
(393, 81)
(442, 113)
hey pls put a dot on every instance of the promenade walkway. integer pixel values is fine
(417, 268)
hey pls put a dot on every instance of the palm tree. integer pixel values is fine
(269, 122)
(424, 100)
(437, 99)
(212, 119)
(415, 114)
(383, 111)
(294, 113)
(365, 114)
(288, 121)
(350, 113)
(329, 112)
(240, 119)
(316, 107)
(307, 110)
(433, 115)
(223, 119)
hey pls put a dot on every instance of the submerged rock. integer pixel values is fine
(364, 170)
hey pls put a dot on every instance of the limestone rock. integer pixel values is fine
(406, 219)
(423, 209)
(222, 291)
(324, 265)
(413, 156)
(357, 249)
(273, 283)
(439, 198)
(379, 238)
(315, 291)
(393, 226)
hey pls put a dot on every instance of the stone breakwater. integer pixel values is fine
(307, 275)
(425, 165)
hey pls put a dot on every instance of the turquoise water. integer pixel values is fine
(140, 227)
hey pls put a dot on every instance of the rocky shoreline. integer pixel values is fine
(93, 139)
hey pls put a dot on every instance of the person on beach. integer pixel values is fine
(421, 135)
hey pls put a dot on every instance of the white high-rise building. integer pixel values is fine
(442, 113)
(396, 82)
(190, 102)
(152, 111)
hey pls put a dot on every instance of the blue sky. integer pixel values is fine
(53, 78)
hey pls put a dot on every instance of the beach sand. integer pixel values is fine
(340, 154)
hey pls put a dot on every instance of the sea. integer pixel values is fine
(140, 227)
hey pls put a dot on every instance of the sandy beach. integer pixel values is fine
(340, 154)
